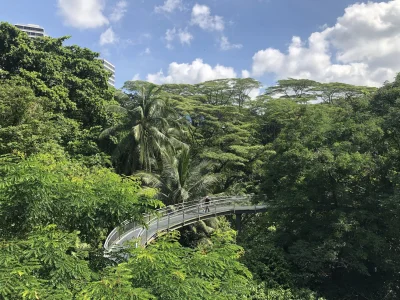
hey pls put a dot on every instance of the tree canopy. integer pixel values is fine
(78, 157)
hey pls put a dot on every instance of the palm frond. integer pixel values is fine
(150, 179)
(116, 109)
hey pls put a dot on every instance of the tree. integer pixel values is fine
(49, 189)
(221, 132)
(150, 125)
(328, 180)
(48, 264)
(298, 89)
(29, 126)
(223, 91)
(71, 78)
(215, 92)
(329, 92)
(181, 178)
(243, 87)
(170, 271)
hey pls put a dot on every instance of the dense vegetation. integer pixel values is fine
(78, 157)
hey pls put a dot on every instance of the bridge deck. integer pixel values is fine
(168, 219)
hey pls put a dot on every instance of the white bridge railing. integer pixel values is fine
(176, 216)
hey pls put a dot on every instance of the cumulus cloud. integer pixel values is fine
(169, 6)
(254, 93)
(119, 11)
(192, 73)
(361, 48)
(108, 37)
(184, 36)
(141, 39)
(201, 16)
(245, 74)
(83, 14)
(170, 34)
(225, 45)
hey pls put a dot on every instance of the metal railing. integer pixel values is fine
(175, 216)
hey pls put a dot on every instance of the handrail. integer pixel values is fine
(191, 209)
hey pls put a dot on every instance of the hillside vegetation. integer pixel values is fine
(78, 157)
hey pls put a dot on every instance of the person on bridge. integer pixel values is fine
(207, 204)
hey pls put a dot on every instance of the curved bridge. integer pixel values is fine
(174, 217)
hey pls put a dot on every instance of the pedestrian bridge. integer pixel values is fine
(177, 216)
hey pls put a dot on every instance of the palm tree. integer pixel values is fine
(150, 125)
(181, 178)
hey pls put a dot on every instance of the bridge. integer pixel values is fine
(176, 216)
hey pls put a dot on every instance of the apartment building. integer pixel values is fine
(111, 68)
(32, 30)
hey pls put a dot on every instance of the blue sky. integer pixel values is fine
(191, 41)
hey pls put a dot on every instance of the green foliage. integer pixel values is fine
(25, 124)
(115, 283)
(181, 178)
(332, 177)
(171, 271)
(331, 171)
(50, 189)
(51, 95)
(71, 77)
(200, 232)
(299, 89)
(48, 264)
(303, 90)
(222, 133)
(331, 92)
(149, 125)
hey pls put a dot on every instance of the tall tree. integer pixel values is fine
(329, 92)
(299, 89)
(331, 182)
(181, 178)
(243, 87)
(151, 124)
(71, 78)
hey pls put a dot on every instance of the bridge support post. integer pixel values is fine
(239, 222)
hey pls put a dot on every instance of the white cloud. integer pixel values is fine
(365, 42)
(245, 74)
(83, 14)
(141, 39)
(146, 51)
(184, 36)
(201, 16)
(108, 37)
(254, 93)
(119, 11)
(169, 6)
(170, 34)
(224, 44)
(192, 73)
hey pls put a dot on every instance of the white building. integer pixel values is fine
(32, 30)
(111, 68)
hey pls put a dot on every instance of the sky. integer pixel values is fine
(184, 41)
